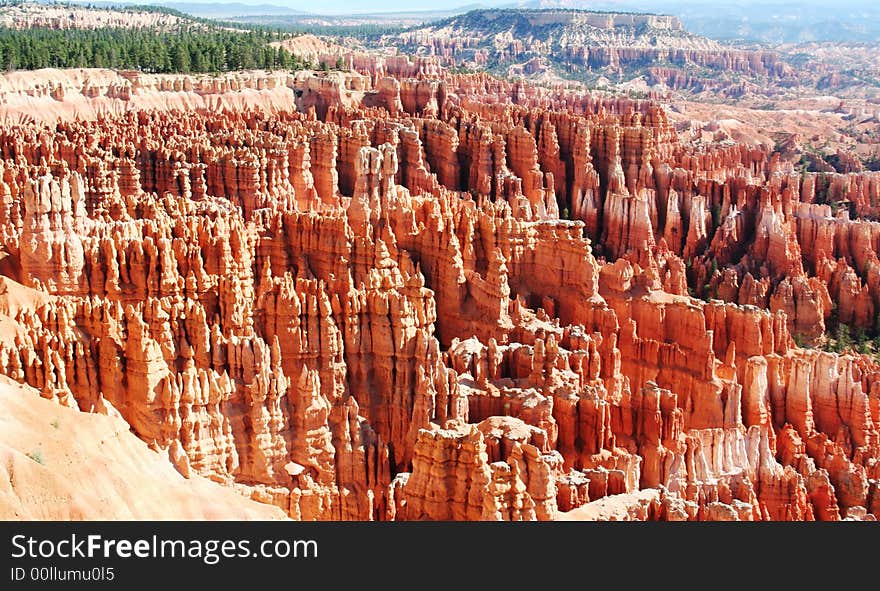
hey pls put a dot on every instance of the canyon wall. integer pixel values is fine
(579, 45)
(379, 296)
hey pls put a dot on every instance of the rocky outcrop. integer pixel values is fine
(447, 297)
(597, 44)
(36, 16)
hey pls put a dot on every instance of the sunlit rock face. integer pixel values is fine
(370, 297)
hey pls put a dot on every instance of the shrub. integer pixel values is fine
(36, 455)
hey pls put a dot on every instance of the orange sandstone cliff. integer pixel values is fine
(397, 293)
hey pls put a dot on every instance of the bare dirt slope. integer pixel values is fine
(57, 463)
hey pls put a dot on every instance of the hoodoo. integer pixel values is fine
(395, 292)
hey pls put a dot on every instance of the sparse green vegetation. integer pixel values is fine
(821, 192)
(716, 215)
(36, 455)
(840, 337)
(360, 32)
(461, 69)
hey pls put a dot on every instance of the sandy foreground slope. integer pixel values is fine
(57, 463)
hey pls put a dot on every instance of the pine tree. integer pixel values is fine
(180, 59)
(185, 50)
